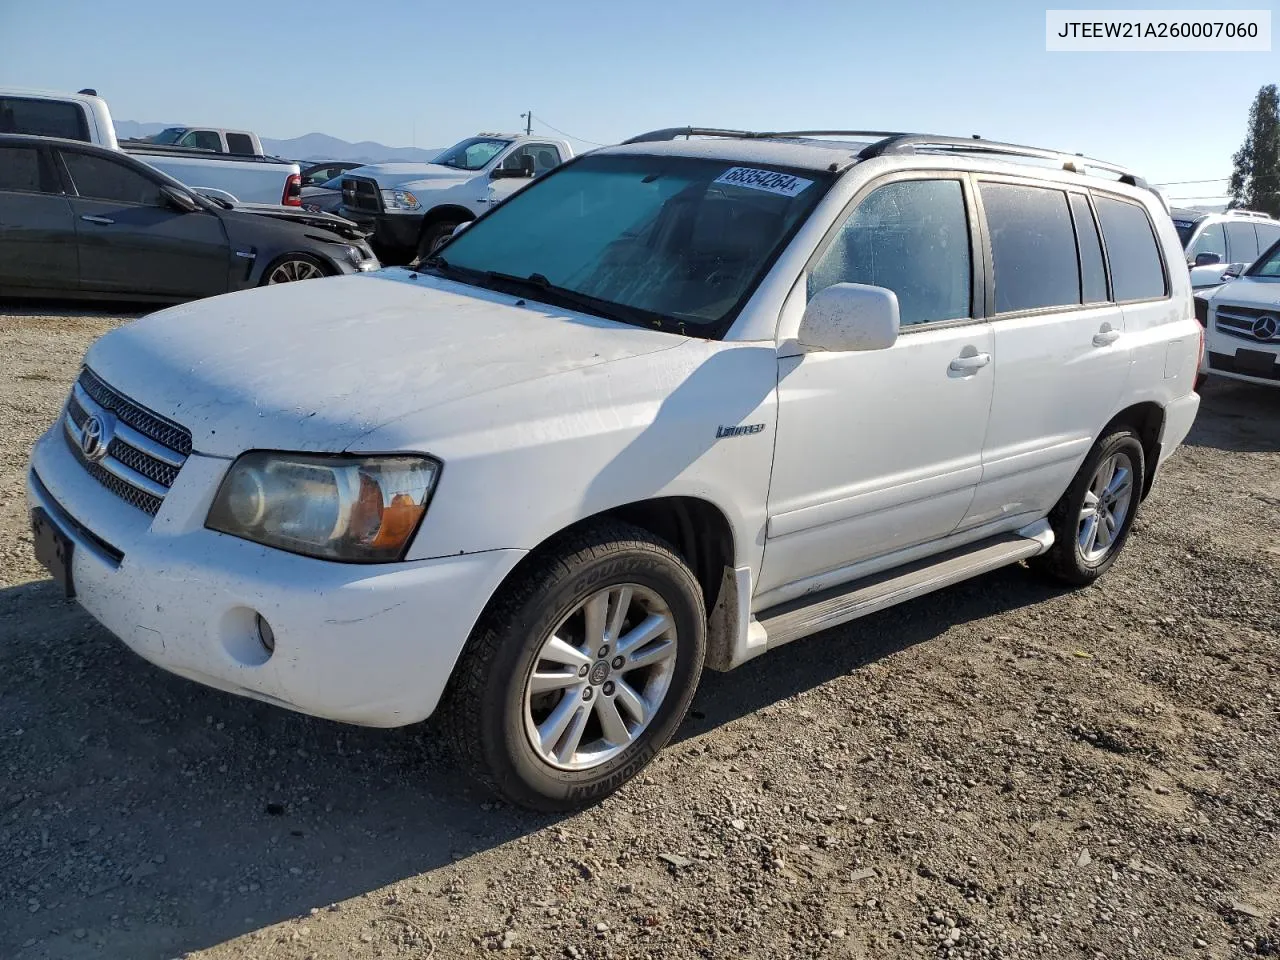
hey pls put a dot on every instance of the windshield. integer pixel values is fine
(1267, 265)
(169, 135)
(674, 242)
(1185, 229)
(473, 154)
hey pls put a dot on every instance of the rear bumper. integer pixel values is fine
(1179, 415)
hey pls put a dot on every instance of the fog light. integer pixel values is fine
(266, 635)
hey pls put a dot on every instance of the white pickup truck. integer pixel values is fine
(411, 208)
(84, 116)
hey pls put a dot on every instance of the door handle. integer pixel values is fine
(1105, 338)
(970, 363)
(105, 221)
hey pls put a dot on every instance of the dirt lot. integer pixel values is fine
(1000, 770)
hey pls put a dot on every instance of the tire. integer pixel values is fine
(434, 234)
(293, 267)
(492, 712)
(1078, 556)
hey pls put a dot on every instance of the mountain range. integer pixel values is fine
(311, 146)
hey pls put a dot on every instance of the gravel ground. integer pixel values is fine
(1000, 770)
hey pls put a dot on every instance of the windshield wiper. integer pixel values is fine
(539, 287)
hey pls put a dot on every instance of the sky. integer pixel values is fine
(429, 73)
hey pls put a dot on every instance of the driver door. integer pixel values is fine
(130, 240)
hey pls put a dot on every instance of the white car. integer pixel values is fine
(1242, 324)
(1220, 246)
(409, 209)
(677, 403)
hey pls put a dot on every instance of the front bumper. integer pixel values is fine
(1240, 357)
(388, 231)
(367, 644)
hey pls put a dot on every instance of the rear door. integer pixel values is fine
(37, 228)
(130, 240)
(1061, 361)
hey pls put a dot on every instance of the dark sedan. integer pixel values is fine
(80, 220)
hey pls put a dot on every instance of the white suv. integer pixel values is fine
(677, 403)
(1222, 245)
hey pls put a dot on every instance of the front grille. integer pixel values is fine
(1246, 322)
(361, 194)
(143, 451)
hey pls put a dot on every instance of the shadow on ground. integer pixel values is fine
(145, 815)
(1238, 416)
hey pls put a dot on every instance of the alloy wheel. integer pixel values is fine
(600, 677)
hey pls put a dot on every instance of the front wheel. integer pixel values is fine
(293, 267)
(1092, 520)
(434, 235)
(581, 669)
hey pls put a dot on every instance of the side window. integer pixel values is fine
(203, 140)
(1137, 272)
(911, 237)
(1093, 271)
(240, 143)
(1267, 235)
(1033, 247)
(23, 170)
(1242, 242)
(545, 157)
(1211, 240)
(101, 178)
(43, 118)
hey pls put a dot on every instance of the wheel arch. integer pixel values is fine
(1146, 419)
(328, 263)
(446, 211)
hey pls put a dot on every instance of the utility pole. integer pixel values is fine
(528, 122)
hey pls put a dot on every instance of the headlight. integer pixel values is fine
(400, 200)
(360, 509)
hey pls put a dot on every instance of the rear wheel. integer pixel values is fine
(581, 670)
(1092, 520)
(293, 267)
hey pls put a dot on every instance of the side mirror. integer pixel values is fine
(178, 199)
(1234, 270)
(850, 316)
(1206, 259)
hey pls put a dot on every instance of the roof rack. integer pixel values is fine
(671, 133)
(1250, 213)
(887, 142)
(923, 143)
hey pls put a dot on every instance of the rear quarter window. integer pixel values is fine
(240, 144)
(1137, 270)
(43, 118)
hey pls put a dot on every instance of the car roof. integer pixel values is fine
(34, 140)
(797, 153)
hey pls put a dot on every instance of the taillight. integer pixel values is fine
(292, 191)
(1202, 310)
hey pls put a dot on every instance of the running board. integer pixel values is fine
(830, 608)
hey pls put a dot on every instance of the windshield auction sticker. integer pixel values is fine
(1138, 31)
(770, 181)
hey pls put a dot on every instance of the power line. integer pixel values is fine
(569, 135)
(1185, 183)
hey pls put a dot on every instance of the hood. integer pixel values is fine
(1261, 292)
(316, 219)
(395, 174)
(313, 366)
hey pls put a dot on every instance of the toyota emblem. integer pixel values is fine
(94, 439)
(1265, 327)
